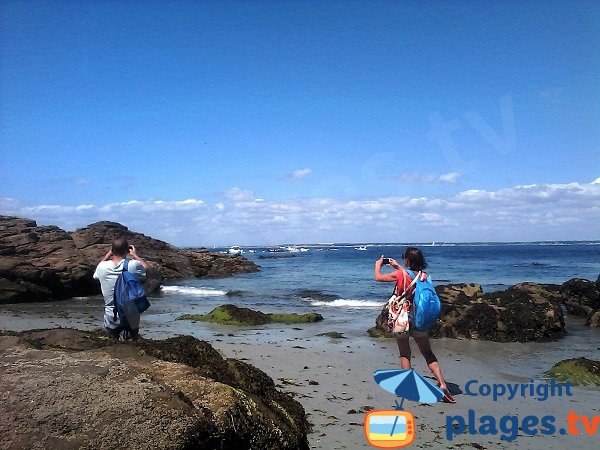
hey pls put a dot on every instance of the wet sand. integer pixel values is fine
(333, 378)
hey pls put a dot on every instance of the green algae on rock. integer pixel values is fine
(378, 332)
(234, 315)
(333, 335)
(229, 315)
(291, 318)
(579, 371)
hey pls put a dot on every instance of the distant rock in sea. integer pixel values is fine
(66, 388)
(39, 263)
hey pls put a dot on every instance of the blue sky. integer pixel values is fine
(209, 123)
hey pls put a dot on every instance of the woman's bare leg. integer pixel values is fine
(432, 362)
(436, 370)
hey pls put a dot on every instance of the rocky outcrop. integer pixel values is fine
(524, 312)
(43, 263)
(516, 314)
(68, 389)
(37, 263)
(593, 319)
(174, 263)
(580, 297)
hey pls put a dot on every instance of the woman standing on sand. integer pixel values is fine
(414, 260)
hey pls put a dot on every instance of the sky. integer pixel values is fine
(264, 122)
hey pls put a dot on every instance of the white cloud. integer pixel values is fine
(451, 177)
(416, 177)
(528, 212)
(238, 194)
(596, 181)
(298, 174)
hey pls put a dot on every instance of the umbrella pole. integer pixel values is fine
(399, 406)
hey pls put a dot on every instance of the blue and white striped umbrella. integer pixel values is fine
(406, 383)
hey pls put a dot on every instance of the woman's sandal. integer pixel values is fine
(447, 398)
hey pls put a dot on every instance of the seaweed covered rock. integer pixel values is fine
(230, 315)
(459, 294)
(521, 313)
(593, 319)
(580, 296)
(65, 389)
(234, 315)
(579, 371)
(451, 295)
(511, 315)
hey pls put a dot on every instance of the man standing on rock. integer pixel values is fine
(108, 271)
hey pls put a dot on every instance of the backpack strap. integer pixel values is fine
(420, 274)
(412, 283)
(125, 265)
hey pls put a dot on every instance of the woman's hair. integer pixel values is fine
(416, 260)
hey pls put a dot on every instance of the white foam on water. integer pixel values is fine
(190, 290)
(349, 303)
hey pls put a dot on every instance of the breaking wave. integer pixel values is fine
(190, 290)
(349, 303)
(311, 294)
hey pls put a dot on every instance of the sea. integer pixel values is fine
(336, 280)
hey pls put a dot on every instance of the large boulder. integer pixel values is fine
(37, 263)
(74, 389)
(593, 319)
(44, 263)
(459, 294)
(520, 313)
(580, 297)
(511, 315)
(172, 262)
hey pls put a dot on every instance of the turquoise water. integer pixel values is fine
(337, 280)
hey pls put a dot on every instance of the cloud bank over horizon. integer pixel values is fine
(533, 212)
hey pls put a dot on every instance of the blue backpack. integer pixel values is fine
(426, 304)
(129, 299)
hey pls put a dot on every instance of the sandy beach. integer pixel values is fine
(333, 378)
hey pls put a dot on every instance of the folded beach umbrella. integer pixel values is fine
(407, 383)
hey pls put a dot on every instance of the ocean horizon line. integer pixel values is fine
(399, 244)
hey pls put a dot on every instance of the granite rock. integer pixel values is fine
(521, 313)
(66, 388)
(39, 263)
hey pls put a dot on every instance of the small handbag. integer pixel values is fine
(398, 307)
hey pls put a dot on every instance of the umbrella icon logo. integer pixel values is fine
(396, 428)
(407, 383)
